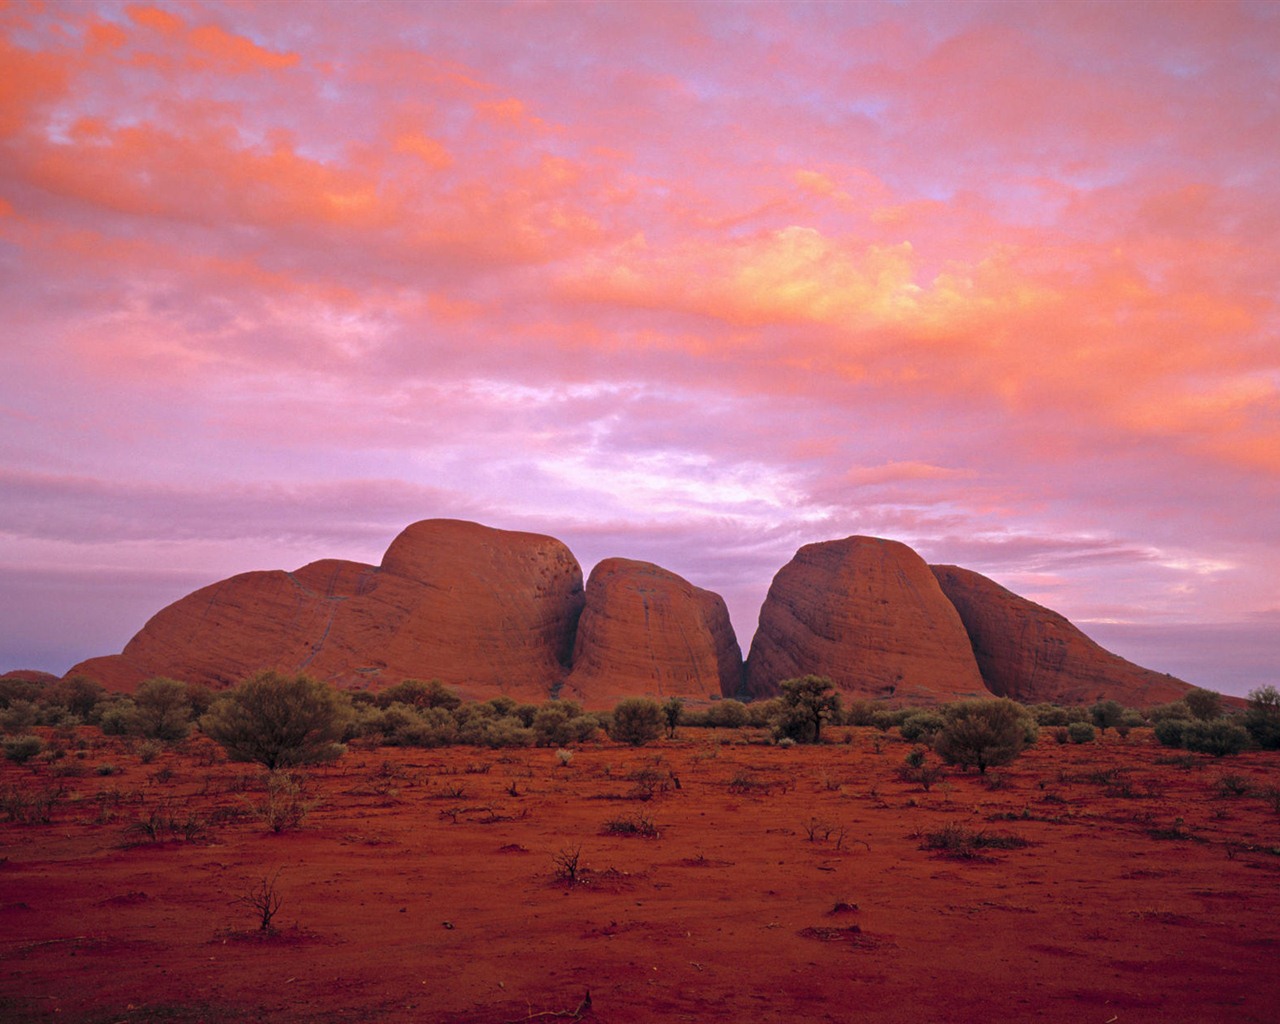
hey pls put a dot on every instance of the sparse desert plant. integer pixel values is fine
(1081, 732)
(149, 750)
(21, 749)
(25, 806)
(564, 757)
(285, 806)
(967, 844)
(634, 825)
(566, 865)
(649, 781)
(1062, 734)
(984, 733)
(279, 721)
(637, 721)
(1232, 784)
(264, 899)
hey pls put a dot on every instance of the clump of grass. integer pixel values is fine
(967, 844)
(635, 825)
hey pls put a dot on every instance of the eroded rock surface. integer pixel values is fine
(647, 632)
(868, 614)
(486, 611)
(1032, 654)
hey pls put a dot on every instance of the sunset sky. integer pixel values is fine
(690, 283)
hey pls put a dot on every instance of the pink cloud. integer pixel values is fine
(696, 285)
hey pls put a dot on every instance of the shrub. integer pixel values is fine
(419, 694)
(636, 720)
(1177, 709)
(635, 825)
(279, 721)
(727, 714)
(984, 733)
(118, 717)
(1168, 731)
(1262, 719)
(163, 710)
(921, 726)
(560, 722)
(672, 711)
(79, 695)
(807, 703)
(965, 844)
(22, 749)
(1218, 737)
(1205, 705)
(19, 716)
(1106, 714)
(1081, 732)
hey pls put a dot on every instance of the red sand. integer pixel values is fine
(421, 887)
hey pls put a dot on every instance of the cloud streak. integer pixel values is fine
(690, 283)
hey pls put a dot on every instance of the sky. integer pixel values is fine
(689, 283)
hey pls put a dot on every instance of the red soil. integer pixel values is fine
(421, 887)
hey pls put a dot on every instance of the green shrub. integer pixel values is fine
(279, 721)
(1218, 737)
(1081, 732)
(921, 726)
(1262, 719)
(118, 717)
(419, 694)
(1168, 731)
(984, 733)
(21, 749)
(726, 714)
(560, 722)
(19, 716)
(78, 695)
(162, 710)
(1106, 714)
(806, 704)
(672, 712)
(1205, 705)
(636, 720)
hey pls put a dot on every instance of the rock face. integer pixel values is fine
(648, 632)
(868, 614)
(1034, 655)
(486, 611)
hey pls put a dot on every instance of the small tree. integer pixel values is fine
(1206, 705)
(80, 695)
(808, 702)
(636, 720)
(1107, 714)
(162, 709)
(279, 721)
(671, 712)
(1263, 717)
(984, 733)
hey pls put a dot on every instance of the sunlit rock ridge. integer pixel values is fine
(492, 612)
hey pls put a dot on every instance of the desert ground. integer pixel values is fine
(717, 878)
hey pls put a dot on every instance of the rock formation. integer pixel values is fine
(486, 611)
(868, 614)
(648, 632)
(1034, 655)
